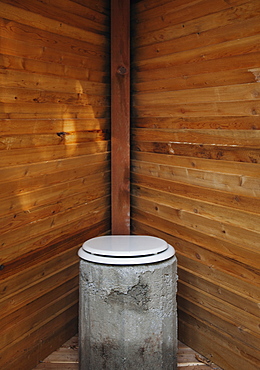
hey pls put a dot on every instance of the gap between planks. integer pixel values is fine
(66, 358)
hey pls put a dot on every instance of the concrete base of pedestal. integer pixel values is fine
(128, 316)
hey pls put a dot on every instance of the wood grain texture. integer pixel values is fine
(195, 163)
(55, 166)
(120, 116)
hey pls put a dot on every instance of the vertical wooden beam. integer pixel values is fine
(120, 116)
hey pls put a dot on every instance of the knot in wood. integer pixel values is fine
(61, 134)
(121, 70)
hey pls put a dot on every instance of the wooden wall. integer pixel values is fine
(195, 168)
(54, 158)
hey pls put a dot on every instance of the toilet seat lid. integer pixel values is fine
(125, 245)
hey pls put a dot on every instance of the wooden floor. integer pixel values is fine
(66, 358)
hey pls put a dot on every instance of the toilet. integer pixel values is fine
(126, 250)
(127, 305)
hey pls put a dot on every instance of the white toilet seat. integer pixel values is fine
(126, 250)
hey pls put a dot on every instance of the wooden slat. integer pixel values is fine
(200, 32)
(240, 92)
(197, 81)
(141, 6)
(242, 138)
(40, 82)
(231, 200)
(24, 297)
(55, 166)
(235, 48)
(219, 214)
(16, 207)
(195, 156)
(46, 253)
(200, 38)
(23, 156)
(21, 219)
(100, 6)
(228, 317)
(191, 256)
(86, 10)
(225, 123)
(247, 108)
(19, 242)
(50, 55)
(238, 235)
(228, 358)
(202, 67)
(38, 110)
(13, 355)
(48, 346)
(181, 12)
(22, 127)
(197, 243)
(42, 314)
(14, 62)
(31, 184)
(49, 97)
(220, 153)
(23, 316)
(248, 169)
(53, 195)
(24, 141)
(226, 294)
(62, 14)
(242, 185)
(43, 22)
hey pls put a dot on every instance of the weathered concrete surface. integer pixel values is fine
(128, 316)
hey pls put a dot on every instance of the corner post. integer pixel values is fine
(120, 116)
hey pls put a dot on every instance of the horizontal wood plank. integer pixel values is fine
(238, 47)
(242, 237)
(87, 10)
(217, 213)
(198, 123)
(226, 356)
(55, 165)
(242, 138)
(244, 185)
(205, 151)
(242, 92)
(226, 294)
(63, 14)
(248, 169)
(225, 312)
(18, 348)
(44, 313)
(43, 22)
(44, 126)
(212, 28)
(194, 253)
(25, 155)
(201, 69)
(17, 242)
(231, 200)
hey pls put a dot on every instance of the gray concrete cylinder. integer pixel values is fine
(128, 316)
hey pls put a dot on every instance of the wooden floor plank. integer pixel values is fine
(66, 358)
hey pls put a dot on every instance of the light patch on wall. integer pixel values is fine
(170, 148)
(256, 73)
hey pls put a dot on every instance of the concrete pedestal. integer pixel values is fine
(128, 316)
